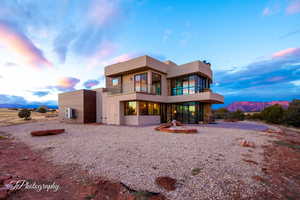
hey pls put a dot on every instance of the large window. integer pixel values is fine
(148, 108)
(189, 112)
(156, 83)
(130, 108)
(140, 82)
(190, 84)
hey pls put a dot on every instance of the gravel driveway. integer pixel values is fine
(137, 155)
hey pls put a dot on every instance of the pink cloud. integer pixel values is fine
(22, 46)
(122, 58)
(91, 83)
(286, 52)
(293, 7)
(67, 83)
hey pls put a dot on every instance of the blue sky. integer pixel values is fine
(52, 46)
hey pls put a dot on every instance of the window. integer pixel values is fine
(156, 83)
(153, 108)
(148, 108)
(115, 81)
(190, 84)
(130, 108)
(143, 108)
(140, 82)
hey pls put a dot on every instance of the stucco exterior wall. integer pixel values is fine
(72, 100)
(148, 119)
(131, 120)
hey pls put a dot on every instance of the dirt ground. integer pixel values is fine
(19, 162)
(10, 117)
(280, 179)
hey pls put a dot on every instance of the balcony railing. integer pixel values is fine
(149, 90)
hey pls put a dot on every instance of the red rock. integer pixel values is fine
(246, 143)
(47, 132)
(166, 182)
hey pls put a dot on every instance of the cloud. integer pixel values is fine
(293, 7)
(296, 82)
(275, 77)
(41, 93)
(15, 101)
(62, 42)
(18, 43)
(101, 12)
(287, 52)
(11, 99)
(91, 83)
(65, 84)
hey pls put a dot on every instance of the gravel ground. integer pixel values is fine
(137, 155)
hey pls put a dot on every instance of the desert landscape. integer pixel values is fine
(10, 117)
(226, 160)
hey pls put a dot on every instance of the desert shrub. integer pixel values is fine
(254, 116)
(220, 113)
(292, 115)
(237, 115)
(273, 114)
(42, 109)
(24, 113)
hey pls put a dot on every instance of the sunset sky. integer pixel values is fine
(53, 46)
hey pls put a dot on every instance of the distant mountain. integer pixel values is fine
(252, 106)
(26, 106)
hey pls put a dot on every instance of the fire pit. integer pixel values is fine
(175, 127)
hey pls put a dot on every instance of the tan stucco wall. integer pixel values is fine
(149, 119)
(72, 100)
(190, 68)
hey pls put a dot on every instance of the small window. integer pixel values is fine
(130, 108)
(115, 81)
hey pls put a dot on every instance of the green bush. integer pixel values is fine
(24, 113)
(42, 109)
(237, 115)
(254, 116)
(220, 113)
(273, 114)
(292, 115)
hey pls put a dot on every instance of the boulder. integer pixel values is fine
(47, 132)
(166, 182)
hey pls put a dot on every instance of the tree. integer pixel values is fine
(42, 109)
(237, 115)
(220, 113)
(273, 114)
(292, 115)
(24, 113)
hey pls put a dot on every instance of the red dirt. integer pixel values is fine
(47, 132)
(166, 182)
(18, 162)
(281, 166)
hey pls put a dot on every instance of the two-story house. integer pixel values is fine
(144, 91)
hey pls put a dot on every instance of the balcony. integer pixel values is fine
(151, 90)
